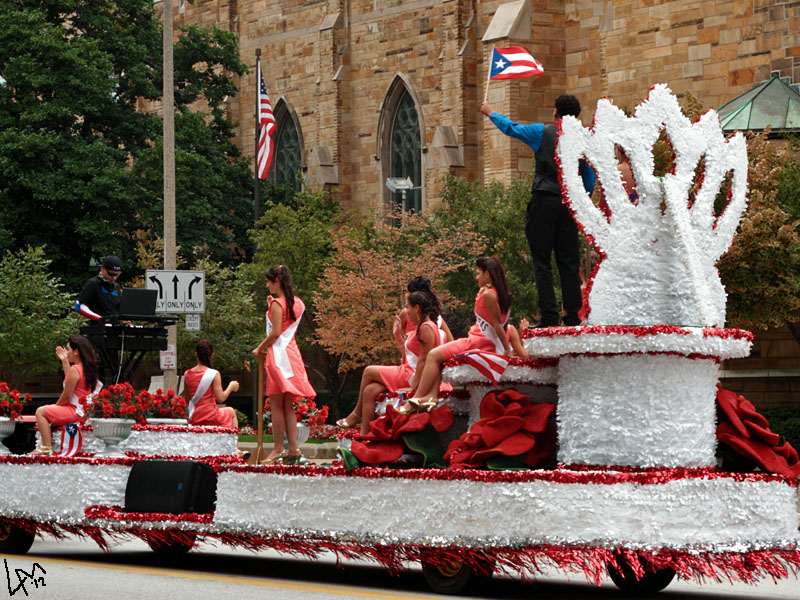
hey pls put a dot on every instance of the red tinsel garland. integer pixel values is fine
(635, 330)
(116, 513)
(216, 462)
(748, 566)
(186, 428)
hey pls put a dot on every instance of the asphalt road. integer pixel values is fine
(74, 569)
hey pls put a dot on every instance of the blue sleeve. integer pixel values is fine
(588, 176)
(530, 134)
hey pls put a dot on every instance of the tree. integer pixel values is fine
(78, 155)
(363, 286)
(497, 213)
(35, 316)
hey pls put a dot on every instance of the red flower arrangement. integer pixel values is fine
(162, 405)
(512, 432)
(389, 435)
(12, 402)
(117, 401)
(746, 432)
(305, 410)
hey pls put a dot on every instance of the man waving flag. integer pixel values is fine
(513, 63)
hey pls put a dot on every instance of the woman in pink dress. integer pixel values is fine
(417, 347)
(286, 374)
(79, 362)
(492, 305)
(204, 391)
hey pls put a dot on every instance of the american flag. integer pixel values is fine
(71, 440)
(513, 63)
(266, 127)
(488, 364)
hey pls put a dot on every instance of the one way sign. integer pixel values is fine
(178, 291)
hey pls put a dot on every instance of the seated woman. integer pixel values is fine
(204, 390)
(402, 327)
(515, 340)
(79, 362)
(419, 342)
(492, 305)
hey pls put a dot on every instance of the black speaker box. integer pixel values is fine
(166, 486)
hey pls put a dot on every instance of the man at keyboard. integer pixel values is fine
(100, 295)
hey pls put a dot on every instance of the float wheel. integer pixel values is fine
(15, 540)
(172, 548)
(650, 583)
(447, 578)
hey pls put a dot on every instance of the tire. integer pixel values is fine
(650, 583)
(447, 579)
(174, 548)
(14, 540)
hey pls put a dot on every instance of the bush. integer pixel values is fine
(785, 421)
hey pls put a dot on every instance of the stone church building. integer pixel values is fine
(364, 90)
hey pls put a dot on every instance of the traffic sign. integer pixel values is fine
(178, 291)
(192, 322)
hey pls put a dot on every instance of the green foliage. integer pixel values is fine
(498, 214)
(785, 421)
(35, 316)
(78, 154)
(231, 322)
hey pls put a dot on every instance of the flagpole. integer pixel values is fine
(488, 79)
(256, 186)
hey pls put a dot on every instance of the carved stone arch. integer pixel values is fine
(290, 154)
(395, 94)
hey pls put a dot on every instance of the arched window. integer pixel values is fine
(288, 159)
(405, 153)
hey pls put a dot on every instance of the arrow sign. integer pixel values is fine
(155, 280)
(178, 291)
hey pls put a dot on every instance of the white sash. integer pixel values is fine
(411, 358)
(487, 329)
(205, 382)
(280, 345)
(76, 402)
(442, 334)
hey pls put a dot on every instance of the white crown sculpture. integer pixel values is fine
(659, 267)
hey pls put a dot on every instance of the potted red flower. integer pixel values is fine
(112, 413)
(11, 404)
(164, 408)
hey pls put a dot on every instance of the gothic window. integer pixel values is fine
(405, 153)
(288, 156)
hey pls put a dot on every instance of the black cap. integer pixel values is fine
(112, 263)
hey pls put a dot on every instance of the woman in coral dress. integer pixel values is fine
(377, 379)
(492, 307)
(286, 374)
(402, 326)
(79, 362)
(204, 390)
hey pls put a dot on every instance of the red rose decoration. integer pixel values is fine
(384, 441)
(510, 425)
(747, 433)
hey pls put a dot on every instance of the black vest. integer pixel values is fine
(545, 178)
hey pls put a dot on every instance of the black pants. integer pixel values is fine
(549, 227)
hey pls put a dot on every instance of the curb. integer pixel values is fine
(326, 450)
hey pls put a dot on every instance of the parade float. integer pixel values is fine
(635, 488)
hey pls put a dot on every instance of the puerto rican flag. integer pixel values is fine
(488, 364)
(71, 440)
(513, 63)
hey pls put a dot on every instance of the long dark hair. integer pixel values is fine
(423, 284)
(494, 267)
(88, 359)
(421, 300)
(282, 274)
(205, 352)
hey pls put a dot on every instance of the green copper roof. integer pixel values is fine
(773, 103)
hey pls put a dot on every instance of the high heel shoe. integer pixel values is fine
(296, 459)
(42, 451)
(345, 424)
(275, 460)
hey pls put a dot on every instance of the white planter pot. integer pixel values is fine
(303, 431)
(112, 432)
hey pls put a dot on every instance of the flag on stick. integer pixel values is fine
(71, 440)
(266, 127)
(513, 63)
(488, 364)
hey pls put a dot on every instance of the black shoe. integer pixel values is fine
(543, 324)
(571, 321)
